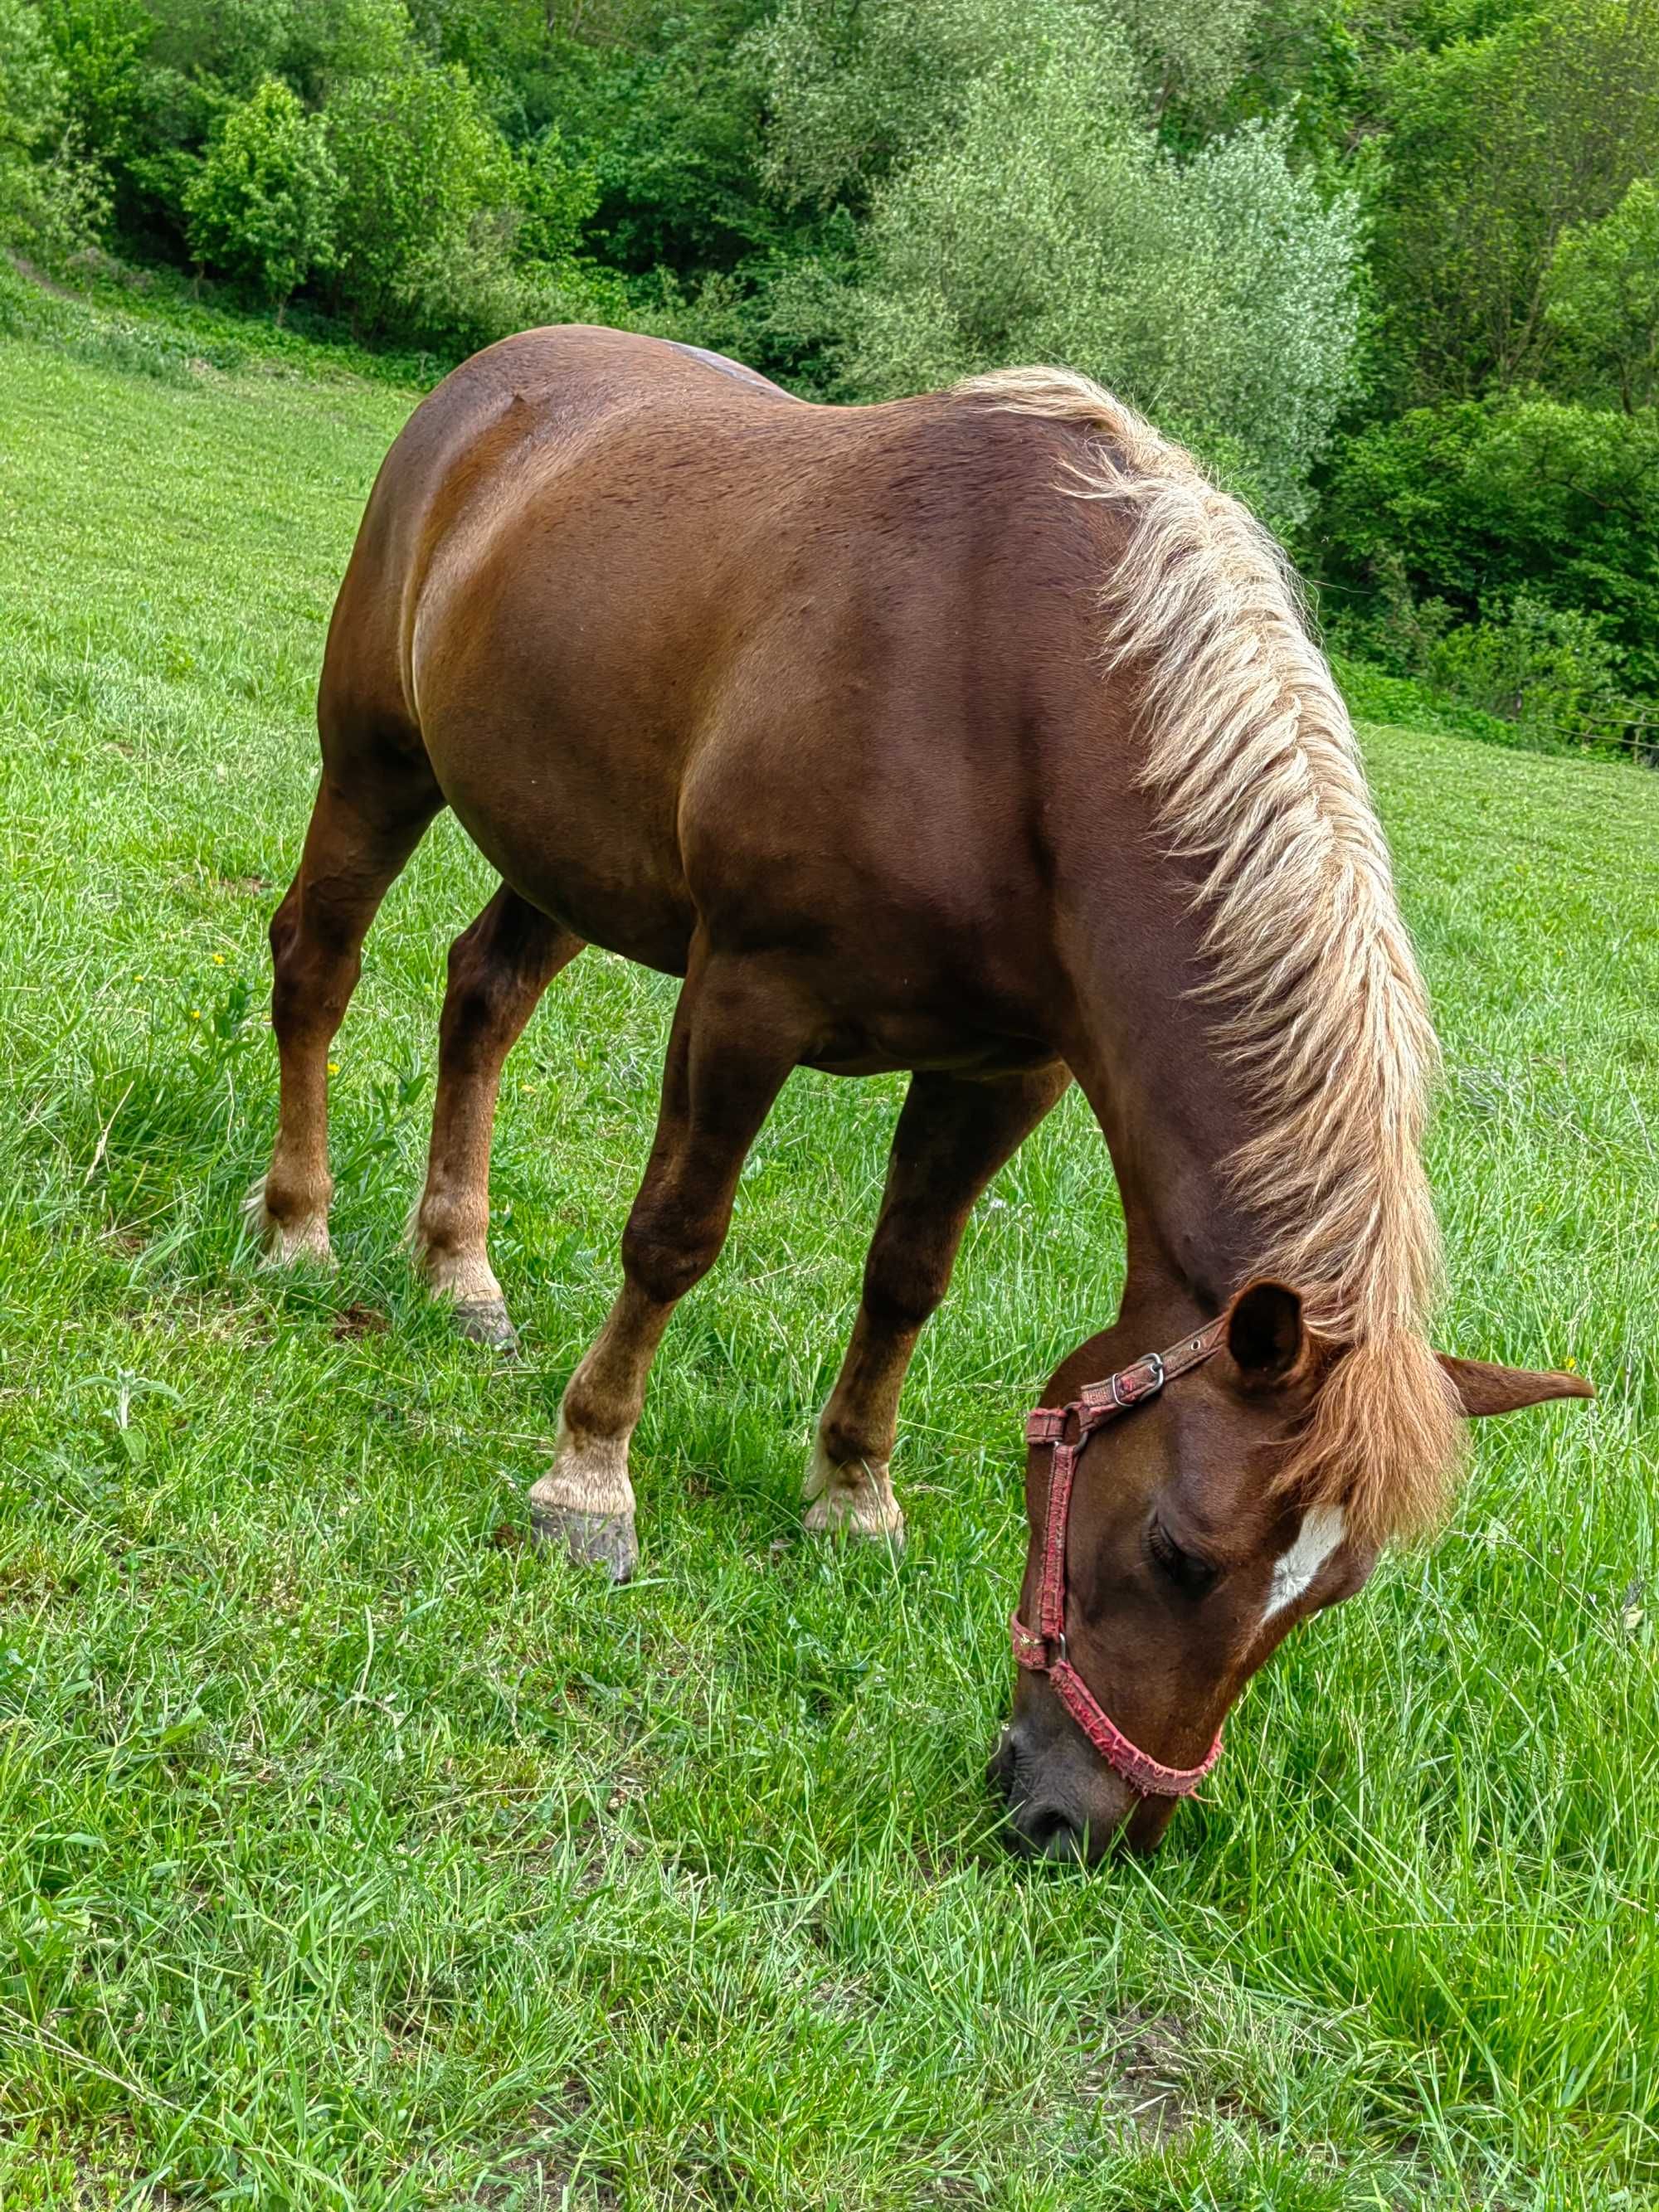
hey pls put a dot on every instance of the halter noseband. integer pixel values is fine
(1042, 1649)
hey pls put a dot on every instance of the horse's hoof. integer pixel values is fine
(485, 1321)
(855, 1500)
(853, 1519)
(592, 1539)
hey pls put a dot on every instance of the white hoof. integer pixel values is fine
(852, 1500)
(585, 1500)
(591, 1540)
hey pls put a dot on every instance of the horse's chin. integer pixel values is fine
(1144, 1829)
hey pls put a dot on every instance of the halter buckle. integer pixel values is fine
(1123, 1399)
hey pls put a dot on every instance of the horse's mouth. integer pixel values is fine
(1044, 1820)
(1038, 1823)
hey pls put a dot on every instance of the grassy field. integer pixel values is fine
(353, 1855)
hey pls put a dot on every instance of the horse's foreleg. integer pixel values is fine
(498, 970)
(952, 1137)
(736, 1036)
(357, 842)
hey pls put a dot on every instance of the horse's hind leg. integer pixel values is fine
(738, 1031)
(362, 832)
(498, 970)
(952, 1136)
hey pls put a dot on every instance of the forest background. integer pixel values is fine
(1391, 266)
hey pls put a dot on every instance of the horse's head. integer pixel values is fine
(1178, 1564)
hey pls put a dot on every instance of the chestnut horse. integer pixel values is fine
(976, 735)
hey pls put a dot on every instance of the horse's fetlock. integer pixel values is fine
(851, 1445)
(285, 1204)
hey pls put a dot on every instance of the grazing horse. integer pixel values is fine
(976, 735)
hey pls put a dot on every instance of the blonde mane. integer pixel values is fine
(1250, 755)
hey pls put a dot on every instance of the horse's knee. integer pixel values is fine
(666, 1260)
(497, 970)
(903, 1288)
(290, 985)
(480, 1000)
(284, 931)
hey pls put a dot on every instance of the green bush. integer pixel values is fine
(671, 115)
(263, 205)
(423, 171)
(1548, 669)
(100, 47)
(1374, 695)
(1483, 502)
(51, 198)
(557, 195)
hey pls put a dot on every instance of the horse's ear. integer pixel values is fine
(1266, 1336)
(1483, 1387)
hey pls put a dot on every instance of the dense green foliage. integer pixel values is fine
(265, 202)
(355, 1858)
(1392, 266)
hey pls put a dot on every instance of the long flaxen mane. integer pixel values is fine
(1250, 755)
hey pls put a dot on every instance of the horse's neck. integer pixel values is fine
(1173, 1111)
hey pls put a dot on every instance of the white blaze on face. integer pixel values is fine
(1317, 1537)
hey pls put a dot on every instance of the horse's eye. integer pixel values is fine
(1184, 1569)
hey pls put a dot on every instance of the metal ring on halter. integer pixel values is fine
(1155, 1361)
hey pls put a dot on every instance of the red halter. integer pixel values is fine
(1042, 1649)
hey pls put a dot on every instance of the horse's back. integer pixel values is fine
(673, 640)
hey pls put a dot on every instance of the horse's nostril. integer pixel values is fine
(1052, 1833)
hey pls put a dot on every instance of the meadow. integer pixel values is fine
(355, 1855)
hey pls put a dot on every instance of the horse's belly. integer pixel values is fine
(605, 867)
(940, 1047)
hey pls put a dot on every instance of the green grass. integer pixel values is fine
(352, 1855)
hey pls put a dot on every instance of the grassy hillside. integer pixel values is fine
(353, 1855)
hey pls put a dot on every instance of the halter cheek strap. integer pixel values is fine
(1042, 1651)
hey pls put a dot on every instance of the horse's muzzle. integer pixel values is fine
(1066, 1804)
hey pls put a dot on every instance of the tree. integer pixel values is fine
(51, 198)
(262, 205)
(670, 120)
(1499, 144)
(556, 196)
(419, 163)
(1191, 52)
(1602, 300)
(31, 103)
(855, 88)
(1047, 224)
(100, 45)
